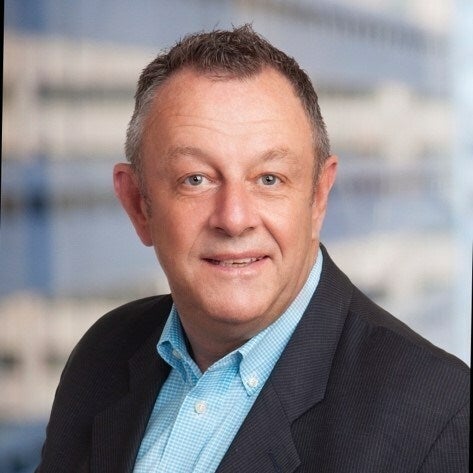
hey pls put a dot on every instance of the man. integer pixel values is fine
(264, 358)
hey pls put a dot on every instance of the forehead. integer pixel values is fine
(268, 92)
(234, 115)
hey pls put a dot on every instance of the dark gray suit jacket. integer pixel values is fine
(354, 391)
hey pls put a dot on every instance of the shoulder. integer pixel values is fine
(97, 369)
(383, 327)
(410, 398)
(416, 394)
(400, 367)
(97, 375)
(105, 349)
(374, 333)
(380, 357)
(141, 315)
(126, 327)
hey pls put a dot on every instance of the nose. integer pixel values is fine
(235, 210)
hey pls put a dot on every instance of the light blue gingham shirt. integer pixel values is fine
(197, 415)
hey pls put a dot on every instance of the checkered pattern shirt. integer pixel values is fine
(197, 415)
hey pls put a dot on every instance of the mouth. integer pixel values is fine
(234, 262)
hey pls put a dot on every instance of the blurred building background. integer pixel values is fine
(395, 84)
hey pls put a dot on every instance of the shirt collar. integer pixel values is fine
(257, 357)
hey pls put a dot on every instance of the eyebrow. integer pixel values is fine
(179, 151)
(277, 154)
(274, 154)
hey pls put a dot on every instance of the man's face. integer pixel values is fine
(231, 209)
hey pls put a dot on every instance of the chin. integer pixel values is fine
(239, 313)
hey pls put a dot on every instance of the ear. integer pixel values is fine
(128, 192)
(321, 193)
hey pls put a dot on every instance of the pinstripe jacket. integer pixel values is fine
(354, 391)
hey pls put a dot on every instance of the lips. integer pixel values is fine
(235, 262)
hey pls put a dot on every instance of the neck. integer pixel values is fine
(206, 352)
(207, 357)
(206, 346)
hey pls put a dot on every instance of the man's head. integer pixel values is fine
(225, 194)
(239, 54)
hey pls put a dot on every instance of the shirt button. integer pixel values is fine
(176, 354)
(200, 407)
(252, 381)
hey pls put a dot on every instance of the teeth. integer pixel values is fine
(235, 262)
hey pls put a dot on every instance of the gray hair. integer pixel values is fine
(240, 53)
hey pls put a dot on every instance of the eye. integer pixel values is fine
(269, 179)
(194, 180)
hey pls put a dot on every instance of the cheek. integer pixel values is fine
(291, 228)
(175, 230)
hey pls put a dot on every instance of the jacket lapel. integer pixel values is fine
(118, 429)
(264, 442)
